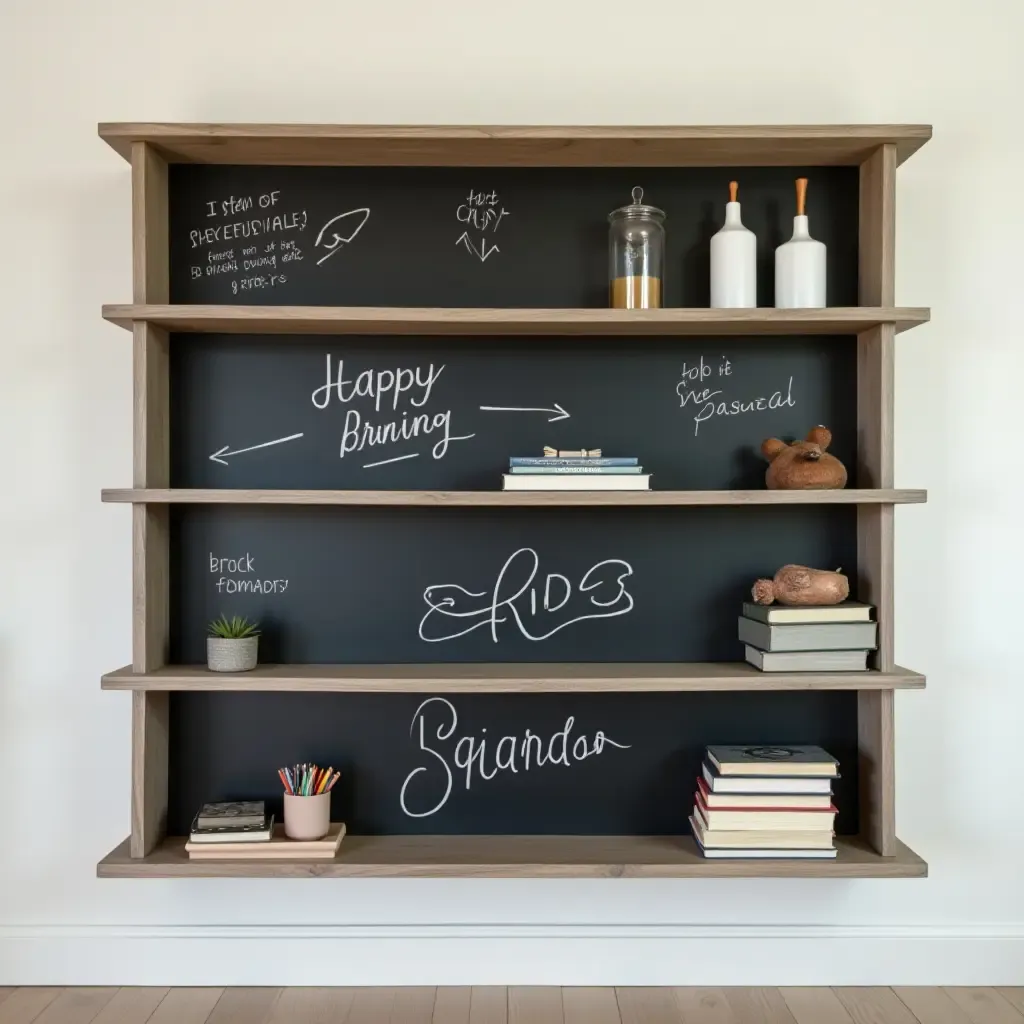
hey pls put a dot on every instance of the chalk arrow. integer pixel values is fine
(560, 413)
(483, 252)
(223, 455)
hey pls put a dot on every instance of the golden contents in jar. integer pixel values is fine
(637, 291)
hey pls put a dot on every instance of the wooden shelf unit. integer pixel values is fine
(238, 496)
(508, 677)
(875, 149)
(584, 323)
(515, 857)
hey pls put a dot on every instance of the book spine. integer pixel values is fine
(555, 462)
(572, 470)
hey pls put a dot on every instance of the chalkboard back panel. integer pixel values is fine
(694, 410)
(501, 237)
(368, 585)
(228, 745)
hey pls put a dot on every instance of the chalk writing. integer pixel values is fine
(471, 754)
(525, 602)
(244, 566)
(704, 401)
(261, 230)
(411, 384)
(483, 213)
(344, 227)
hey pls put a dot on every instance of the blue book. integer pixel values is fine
(547, 460)
(574, 470)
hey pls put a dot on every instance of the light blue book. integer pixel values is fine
(571, 470)
(551, 461)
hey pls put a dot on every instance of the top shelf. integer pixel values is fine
(518, 146)
(840, 320)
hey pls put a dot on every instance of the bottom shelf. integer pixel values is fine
(517, 857)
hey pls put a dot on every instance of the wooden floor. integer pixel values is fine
(512, 1005)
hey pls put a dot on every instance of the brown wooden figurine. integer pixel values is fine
(800, 585)
(803, 465)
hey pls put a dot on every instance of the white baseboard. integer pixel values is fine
(512, 955)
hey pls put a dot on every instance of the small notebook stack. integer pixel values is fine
(581, 470)
(232, 822)
(814, 638)
(765, 802)
(242, 830)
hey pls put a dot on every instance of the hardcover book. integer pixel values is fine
(231, 812)
(552, 461)
(807, 661)
(773, 760)
(759, 785)
(825, 636)
(762, 801)
(848, 611)
(568, 482)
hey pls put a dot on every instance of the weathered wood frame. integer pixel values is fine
(874, 412)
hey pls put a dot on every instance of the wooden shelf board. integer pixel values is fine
(238, 496)
(587, 323)
(516, 857)
(513, 677)
(517, 146)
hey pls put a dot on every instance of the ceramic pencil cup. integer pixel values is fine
(307, 817)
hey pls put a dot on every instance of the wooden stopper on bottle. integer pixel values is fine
(801, 196)
(734, 191)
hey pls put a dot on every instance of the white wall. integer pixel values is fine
(65, 424)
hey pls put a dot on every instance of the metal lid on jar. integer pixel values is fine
(637, 208)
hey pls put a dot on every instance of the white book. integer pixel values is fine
(560, 482)
(767, 784)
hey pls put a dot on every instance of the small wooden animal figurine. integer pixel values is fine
(800, 585)
(803, 465)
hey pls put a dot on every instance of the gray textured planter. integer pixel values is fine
(231, 655)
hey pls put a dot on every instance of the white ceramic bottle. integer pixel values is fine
(733, 260)
(800, 263)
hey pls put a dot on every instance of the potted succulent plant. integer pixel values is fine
(232, 644)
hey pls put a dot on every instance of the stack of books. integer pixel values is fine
(765, 802)
(242, 830)
(585, 469)
(813, 638)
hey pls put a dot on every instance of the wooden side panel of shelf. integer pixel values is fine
(151, 468)
(875, 362)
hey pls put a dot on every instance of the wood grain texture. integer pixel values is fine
(705, 1006)
(463, 856)
(451, 1005)
(517, 146)
(312, 1006)
(150, 738)
(590, 1006)
(23, 1005)
(535, 1005)
(874, 1006)
(413, 1005)
(371, 1006)
(131, 1006)
(1014, 996)
(186, 1006)
(244, 1006)
(876, 765)
(150, 245)
(5, 991)
(488, 1005)
(815, 1006)
(931, 1005)
(508, 677)
(761, 1005)
(648, 1006)
(505, 499)
(586, 323)
(76, 1006)
(984, 1005)
(877, 228)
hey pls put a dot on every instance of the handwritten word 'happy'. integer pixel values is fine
(603, 583)
(416, 384)
(470, 752)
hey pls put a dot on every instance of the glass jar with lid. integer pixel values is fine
(636, 255)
